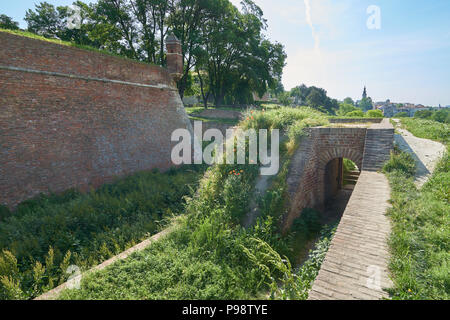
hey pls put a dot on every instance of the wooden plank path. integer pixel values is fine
(356, 264)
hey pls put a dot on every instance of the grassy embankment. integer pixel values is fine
(43, 236)
(69, 44)
(420, 243)
(209, 255)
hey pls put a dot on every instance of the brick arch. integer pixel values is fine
(340, 152)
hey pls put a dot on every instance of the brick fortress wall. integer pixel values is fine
(72, 118)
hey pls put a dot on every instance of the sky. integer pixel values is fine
(405, 57)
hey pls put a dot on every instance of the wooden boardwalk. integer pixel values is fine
(356, 265)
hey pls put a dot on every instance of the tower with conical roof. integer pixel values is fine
(364, 96)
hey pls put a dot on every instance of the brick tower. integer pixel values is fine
(174, 57)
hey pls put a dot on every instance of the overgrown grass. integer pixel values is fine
(427, 129)
(209, 255)
(420, 235)
(69, 44)
(44, 235)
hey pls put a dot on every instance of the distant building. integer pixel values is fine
(389, 109)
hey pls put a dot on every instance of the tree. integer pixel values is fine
(284, 98)
(300, 93)
(45, 21)
(277, 88)
(8, 23)
(366, 104)
(349, 101)
(423, 114)
(442, 115)
(235, 56)
(345, 108)
(315, 98)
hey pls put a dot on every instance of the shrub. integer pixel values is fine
(401, 115)
(400, 161)
(345, 108)
(355, 114)
(423, 114)
(374, 114)
(442, 116)
(4, 212)
(349, 165)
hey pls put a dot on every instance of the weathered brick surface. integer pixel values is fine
(369, 148)
(18, 51)
(356, 265)
(58, 132)
(306, 184)
(378, 145)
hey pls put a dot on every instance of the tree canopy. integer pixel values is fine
(224, 47)
(314, 97)
(8, 23)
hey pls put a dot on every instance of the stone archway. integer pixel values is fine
(328, 154)
(330, 170)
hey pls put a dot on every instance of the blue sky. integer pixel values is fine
(406, 60)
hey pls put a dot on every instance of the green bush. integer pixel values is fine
(355, 114)
(345, 108)
(374, 114)
(423, 114)
(442, 116)
(349, 165)
(400, 161)
(401, 115)
(4, 212)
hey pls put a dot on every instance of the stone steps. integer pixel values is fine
(378, 146)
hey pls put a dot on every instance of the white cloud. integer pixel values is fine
(310, 23)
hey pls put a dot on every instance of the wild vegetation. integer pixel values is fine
(420, 235)
(210, 255)
(441, 115)
(43, 236)
(427, 129)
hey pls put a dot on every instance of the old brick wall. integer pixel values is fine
(306, 177)
(72, 118)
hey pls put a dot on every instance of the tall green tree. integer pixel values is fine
(349, 101)
(46, 20)
(236, 57)
(366, 104)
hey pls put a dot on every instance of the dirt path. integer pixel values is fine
(426, 153)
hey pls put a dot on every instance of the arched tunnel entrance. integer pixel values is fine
(340, 177)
